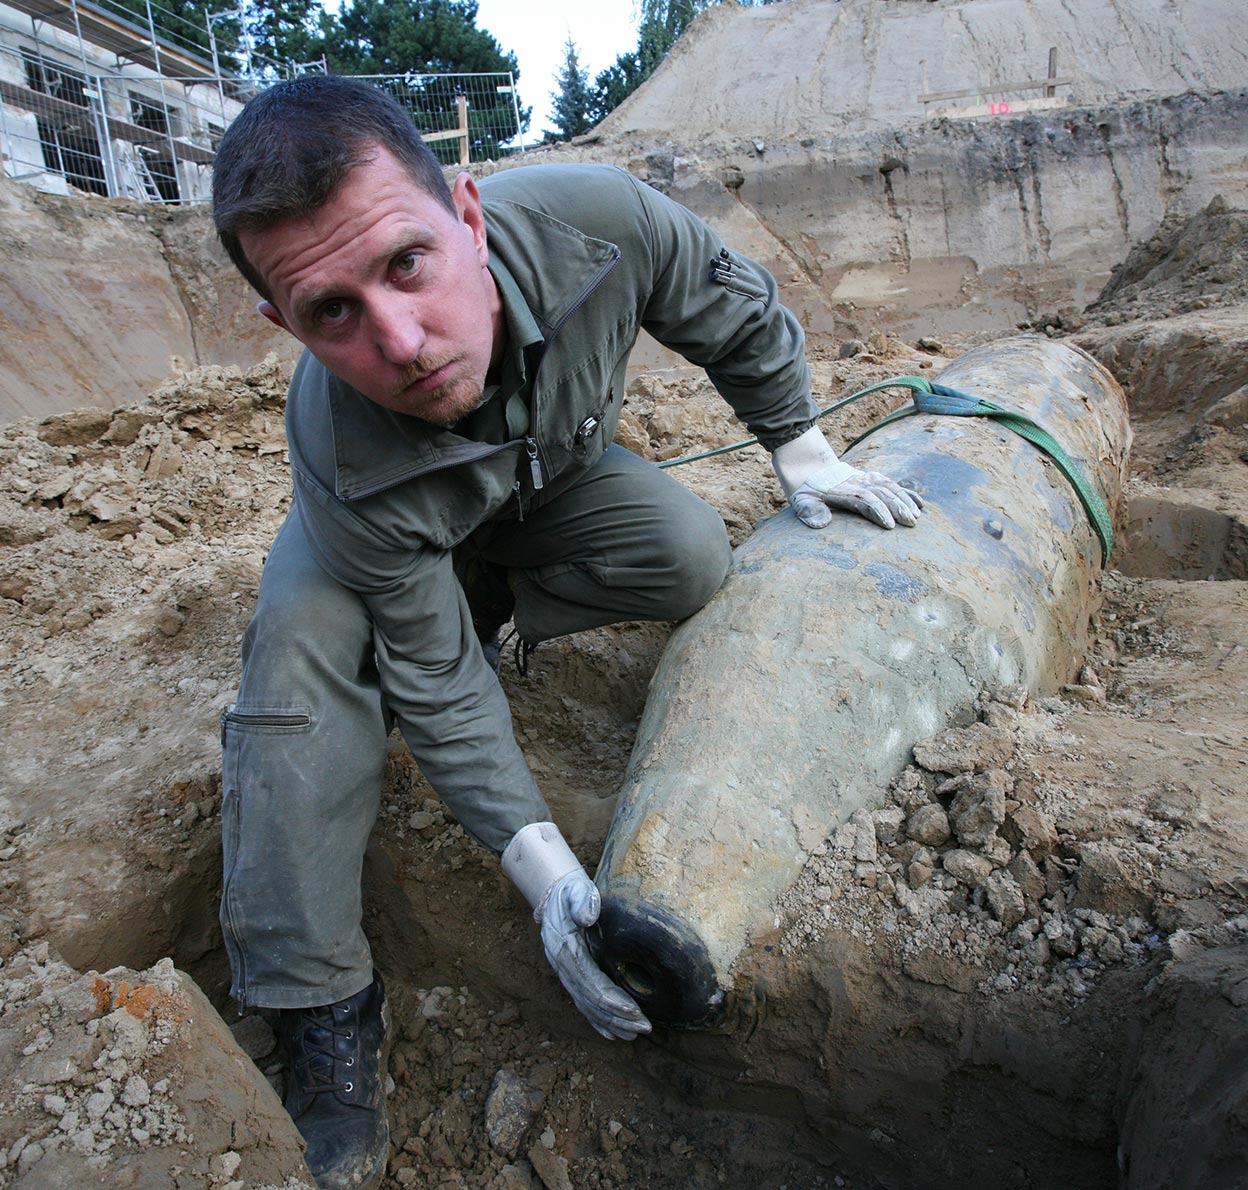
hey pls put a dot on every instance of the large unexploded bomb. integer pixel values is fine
(795, 696)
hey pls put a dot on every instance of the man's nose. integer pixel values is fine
(398, 330)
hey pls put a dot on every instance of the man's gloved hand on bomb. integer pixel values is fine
(565, 902)
(815, 480)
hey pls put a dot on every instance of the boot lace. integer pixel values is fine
(316, 1077)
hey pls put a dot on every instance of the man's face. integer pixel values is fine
(389, 290)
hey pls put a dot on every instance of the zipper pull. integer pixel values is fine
(535, 465)
(515, 487)
(586, 428)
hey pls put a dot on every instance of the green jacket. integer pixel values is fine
(595, 256)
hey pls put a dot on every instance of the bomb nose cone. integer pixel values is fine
(660, 961)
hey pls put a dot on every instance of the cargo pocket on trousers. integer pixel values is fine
(237, 725)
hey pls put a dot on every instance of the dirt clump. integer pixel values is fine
(1190, 263)
(130, 1078)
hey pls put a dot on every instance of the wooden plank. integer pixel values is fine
(461, 105)
(1031, 85)
(119, 36)
(1015, 108)
(460, 133)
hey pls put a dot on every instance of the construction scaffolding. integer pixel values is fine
(96, 98)
(109, 134)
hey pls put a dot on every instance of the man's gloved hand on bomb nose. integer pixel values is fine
(565, 902)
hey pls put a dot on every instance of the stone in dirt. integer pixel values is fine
(965, 749)
(510, 1109)
(550, 1167)
(1105, 882)
(978, 806)
(967, 867)
(929, 825)
(127, 1072)
(1033, 830)
(1005, 899)
(1027, 875)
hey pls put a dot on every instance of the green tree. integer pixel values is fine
(286, 33)
(183, 23)
(616, 84)
(575, 99)
(413, 37)
(662, 22)
(267, 33)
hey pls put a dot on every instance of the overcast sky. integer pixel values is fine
(536, 31)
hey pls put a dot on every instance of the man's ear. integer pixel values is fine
(467, 200)
(274, 315)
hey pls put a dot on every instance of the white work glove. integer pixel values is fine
(565, 901)
(814, 478)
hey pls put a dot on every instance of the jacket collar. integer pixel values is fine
(543, 268)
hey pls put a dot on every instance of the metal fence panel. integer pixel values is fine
(463, 117)
(117, 134)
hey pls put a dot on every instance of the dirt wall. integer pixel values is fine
(100, 301)
(970, 224)
(813, 67)
(938, 227)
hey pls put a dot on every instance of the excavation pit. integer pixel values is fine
(1167, 538)
(905, 1016)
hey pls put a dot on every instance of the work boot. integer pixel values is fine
(333, 1090)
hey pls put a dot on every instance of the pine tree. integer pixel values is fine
(413, 37)
(616, 84)
(574, 99)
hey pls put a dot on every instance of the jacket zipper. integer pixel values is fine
(535, 467)
(530, 442)
(440, 465)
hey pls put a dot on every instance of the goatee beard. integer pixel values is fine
(445, 405)
(451, 403)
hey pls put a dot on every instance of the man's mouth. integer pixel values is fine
(421, 379)
(431, 381)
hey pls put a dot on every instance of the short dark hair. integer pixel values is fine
(293, 145)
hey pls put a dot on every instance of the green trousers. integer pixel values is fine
(305, 745)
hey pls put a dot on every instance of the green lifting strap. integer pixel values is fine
(940, 399)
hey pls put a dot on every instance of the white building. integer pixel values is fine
(94, 98)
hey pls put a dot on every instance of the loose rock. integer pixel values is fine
(965, 749)
(510, 1109)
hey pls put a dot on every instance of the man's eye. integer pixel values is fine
(407, 264)
(332, 313)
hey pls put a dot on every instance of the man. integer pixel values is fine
(450, 433)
